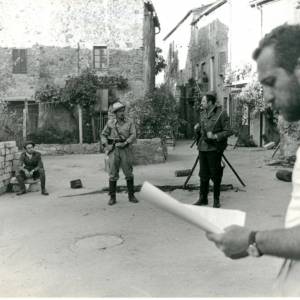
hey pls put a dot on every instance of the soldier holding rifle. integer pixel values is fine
(117, 137)
(212, 131)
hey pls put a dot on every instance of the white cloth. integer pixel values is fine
(288, 280)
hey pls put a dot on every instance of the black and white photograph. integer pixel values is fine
(149, 148)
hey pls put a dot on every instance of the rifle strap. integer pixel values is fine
(118, 132)
(219, 116)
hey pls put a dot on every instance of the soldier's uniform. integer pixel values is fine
(117, 131)
(211, 150)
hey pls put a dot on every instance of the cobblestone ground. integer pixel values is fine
(79, 246)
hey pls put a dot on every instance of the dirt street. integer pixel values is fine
(59, 246)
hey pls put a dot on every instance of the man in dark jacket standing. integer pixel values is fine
(31, 166)
(213, 131)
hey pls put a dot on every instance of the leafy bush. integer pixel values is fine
(11, 125)
(53, 135)
(252, 95)
(156, 115)
(80, 89)
(49, 93)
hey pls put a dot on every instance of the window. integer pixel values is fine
(100, 58)
(19, 57)
(212, 73)
(222, 62)
(203, 73)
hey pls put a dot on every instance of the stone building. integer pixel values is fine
(45, 42)
(218, 55)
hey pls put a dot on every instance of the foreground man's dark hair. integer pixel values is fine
(286, 42)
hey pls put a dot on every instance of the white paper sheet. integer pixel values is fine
(206, 218)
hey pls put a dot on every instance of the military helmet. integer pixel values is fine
(117, 106)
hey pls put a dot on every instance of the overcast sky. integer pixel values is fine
(170, 12)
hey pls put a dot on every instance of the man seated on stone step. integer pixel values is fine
(31, 166)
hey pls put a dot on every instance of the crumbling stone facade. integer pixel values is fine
(60, 37)
(8, 163)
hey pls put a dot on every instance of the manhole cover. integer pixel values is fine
(98, 242)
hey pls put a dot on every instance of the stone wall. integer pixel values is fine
(289, 137)
(8, 162)
(58, 149)
(145, 151)
(149, 151)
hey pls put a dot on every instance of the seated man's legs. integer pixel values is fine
(21, 177)
(40, 173)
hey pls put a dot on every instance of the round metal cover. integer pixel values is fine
(98, 242)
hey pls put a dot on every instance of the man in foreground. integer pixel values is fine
(117, 138)
(31, 166)
(278, 63)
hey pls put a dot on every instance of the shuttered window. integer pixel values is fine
(100, 58)
(222, 62)
(19, 57)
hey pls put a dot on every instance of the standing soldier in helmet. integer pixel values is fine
(117, 138)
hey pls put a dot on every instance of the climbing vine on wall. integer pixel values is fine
(81, 89)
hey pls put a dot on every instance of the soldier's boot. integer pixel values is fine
(217, 187)
(112, 192)
(204, 186)
(43, 183)
(130, 187)
(216, 203)
(21, 185)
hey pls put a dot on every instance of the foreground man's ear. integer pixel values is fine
(297, 70)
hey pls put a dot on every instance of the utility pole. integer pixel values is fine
(80, 123)
(25, 114)
(78, 106)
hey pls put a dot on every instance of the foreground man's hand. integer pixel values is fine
(234, 242)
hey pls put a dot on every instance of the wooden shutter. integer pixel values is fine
(19, 58)
(23, 61)
(100, 58)
(222, 62)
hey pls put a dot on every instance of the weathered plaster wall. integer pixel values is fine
(289, 137)
(209, 41)
(115, 23)
(53, 39)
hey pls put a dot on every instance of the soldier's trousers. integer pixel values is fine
(210, 168)
(120, 158)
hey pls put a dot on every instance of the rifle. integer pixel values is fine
(196, 140)
(112, 142)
